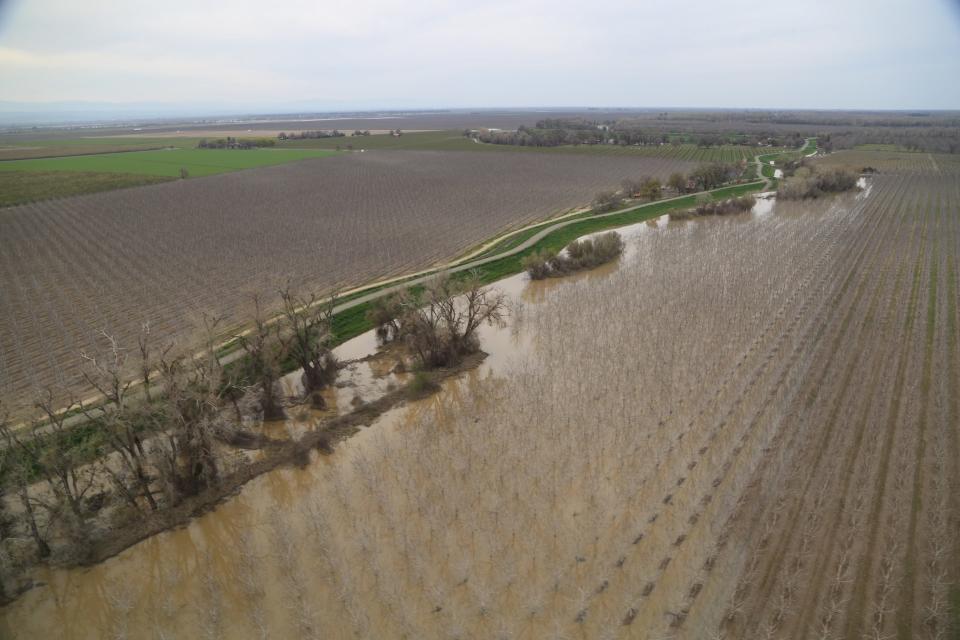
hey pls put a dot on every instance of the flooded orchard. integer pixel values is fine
(686, 443)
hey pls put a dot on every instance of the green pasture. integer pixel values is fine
(166, 162)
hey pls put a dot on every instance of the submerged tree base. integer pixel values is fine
(276, 453)
(716, 208)
(578, 255)
(810, 183)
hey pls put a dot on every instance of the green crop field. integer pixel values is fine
(167, 162)
(18, 187)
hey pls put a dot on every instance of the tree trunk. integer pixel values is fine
(42, 547)
(145, 486)
(70, 495)
(122, 488)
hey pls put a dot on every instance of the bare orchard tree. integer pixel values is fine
(440, 325)
(261, 367)
(106, 371)
(307, 341)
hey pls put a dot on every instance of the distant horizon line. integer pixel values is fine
(93, 113)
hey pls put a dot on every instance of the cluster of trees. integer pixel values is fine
(809, 182)
(310, 135)
(167, 421)
(927, 139)
(708, 207)
(527, 137)
(236, 143)
(712, 175)
(645, 188)
(439, 322)
(141, 452)
(920, 131)
(703, 178)
(578, 255)
(555, 132)
(607, 201)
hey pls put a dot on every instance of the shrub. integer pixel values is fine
(810, 183)
(579, 255)
(420, 383)
(607, 201)
(537, 264)
(707, 207)
(384, 314)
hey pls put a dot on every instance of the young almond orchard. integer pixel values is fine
(746, 427)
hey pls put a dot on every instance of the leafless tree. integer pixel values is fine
(384, 315)
(262, 346)
(191, 417)
(52, 455)
(440, 325)
(677, 182)
(15, 468)
(307, 338)
(123, 426)
(607, 201)
(107, 371)
(146, 366)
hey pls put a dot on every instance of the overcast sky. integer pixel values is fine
(250, 54)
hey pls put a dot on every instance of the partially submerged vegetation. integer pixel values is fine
(577, 256)
(147, 450)
(705, 177)
(709, 207)
(438, 322)
(778, 482)
(810, 182)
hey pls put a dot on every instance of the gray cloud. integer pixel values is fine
(392, 53)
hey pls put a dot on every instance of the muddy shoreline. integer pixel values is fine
(277, 454)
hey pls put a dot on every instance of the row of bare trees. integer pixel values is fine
(152, 448)
(167, 418)
(704, 178)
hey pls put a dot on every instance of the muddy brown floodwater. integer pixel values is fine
(608, 471)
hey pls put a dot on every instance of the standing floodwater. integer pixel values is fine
(598, 476)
